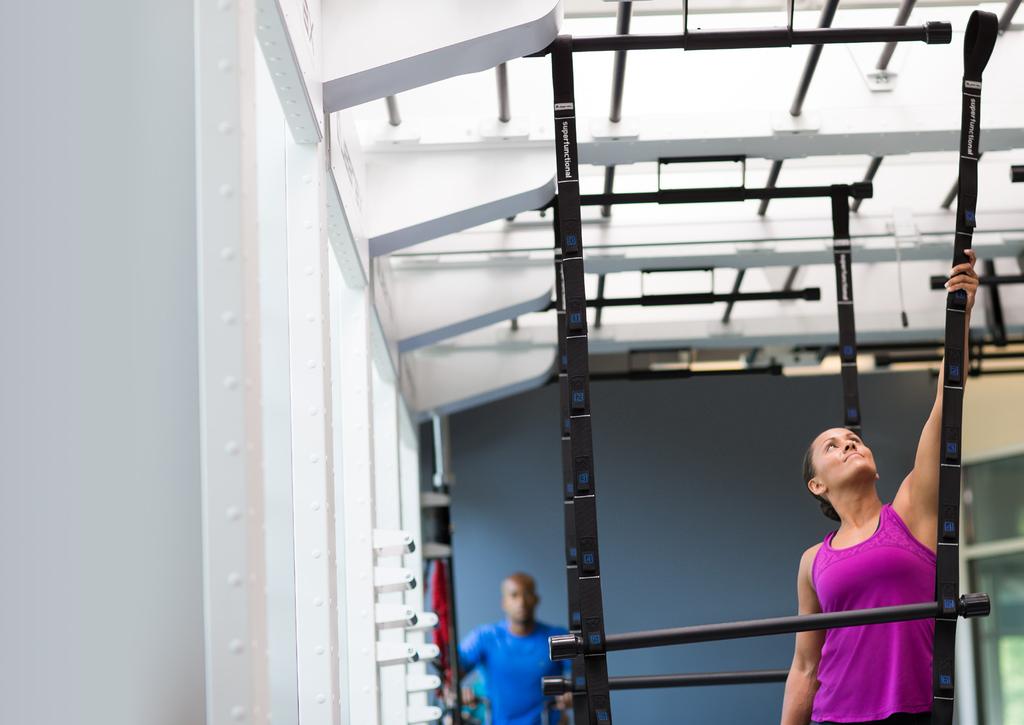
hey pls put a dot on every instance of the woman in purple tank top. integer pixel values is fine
(882, 555)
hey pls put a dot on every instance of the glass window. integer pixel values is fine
(1000, 639)
(994, 500)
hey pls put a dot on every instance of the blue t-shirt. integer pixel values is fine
(514, 667)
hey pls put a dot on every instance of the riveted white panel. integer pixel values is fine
(232, 485)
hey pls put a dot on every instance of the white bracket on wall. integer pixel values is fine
(392, 542)
(393, 579)
(428, 652)
(396, 653)
(392, 616)
(423, 713)
(422, 683)
(425, 621)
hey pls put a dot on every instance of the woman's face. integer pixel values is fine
(840, 458)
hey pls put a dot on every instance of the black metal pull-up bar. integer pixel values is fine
(938, 281)
(933, 33)
(560, 685)
(700, 298)
(858, 190)
(567, 646)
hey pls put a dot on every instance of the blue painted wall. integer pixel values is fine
(703, 515)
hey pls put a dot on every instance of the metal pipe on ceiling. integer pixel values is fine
(623, 16)
(504, 110)
(828, 13)
(773, 176)
(1007, 17)
(394, 117)
(869, 177)
(902, 16)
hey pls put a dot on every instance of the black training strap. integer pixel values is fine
(591, 703)
(979, 39)
(842, 258)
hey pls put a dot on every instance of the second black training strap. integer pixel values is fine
(843, 259)
(980, 37)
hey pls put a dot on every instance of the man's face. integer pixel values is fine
(519, 599)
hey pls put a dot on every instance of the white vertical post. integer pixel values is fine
(315, 584)
(353, 492)
(409, 477)
(230, 384)
(389, 517)
(276, 409)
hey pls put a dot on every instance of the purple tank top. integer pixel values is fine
(873, 671)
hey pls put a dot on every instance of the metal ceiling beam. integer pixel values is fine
(622, 18)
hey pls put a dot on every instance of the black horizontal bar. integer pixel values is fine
(1017, 173)
(938, 280)
(859, 190)
(561, 685)
(701, 298)
(676, 373)
(766, 627)
(570, 645)
(932, 33)
(886, 359)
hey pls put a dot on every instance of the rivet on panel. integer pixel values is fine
(224, 65)
(228, 317)
(309, 271)
(311, 364)
(318, 602)
(321, 698)
(306, 178)
(238, 713)
(235, 579)
(316, 553)
(313, 410)
(230, 382)
(225, 190)
(231, 448)
(233, 514)
(315, 506)
(227, 253)
(319, 650)
(224, 127)
(314, 458)
(235, 646)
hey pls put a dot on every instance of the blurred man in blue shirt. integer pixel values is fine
(514, 656)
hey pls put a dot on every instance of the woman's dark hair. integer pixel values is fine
(809, 473)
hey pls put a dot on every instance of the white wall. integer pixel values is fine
(100, 540)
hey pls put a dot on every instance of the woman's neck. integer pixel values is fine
(859, 512)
